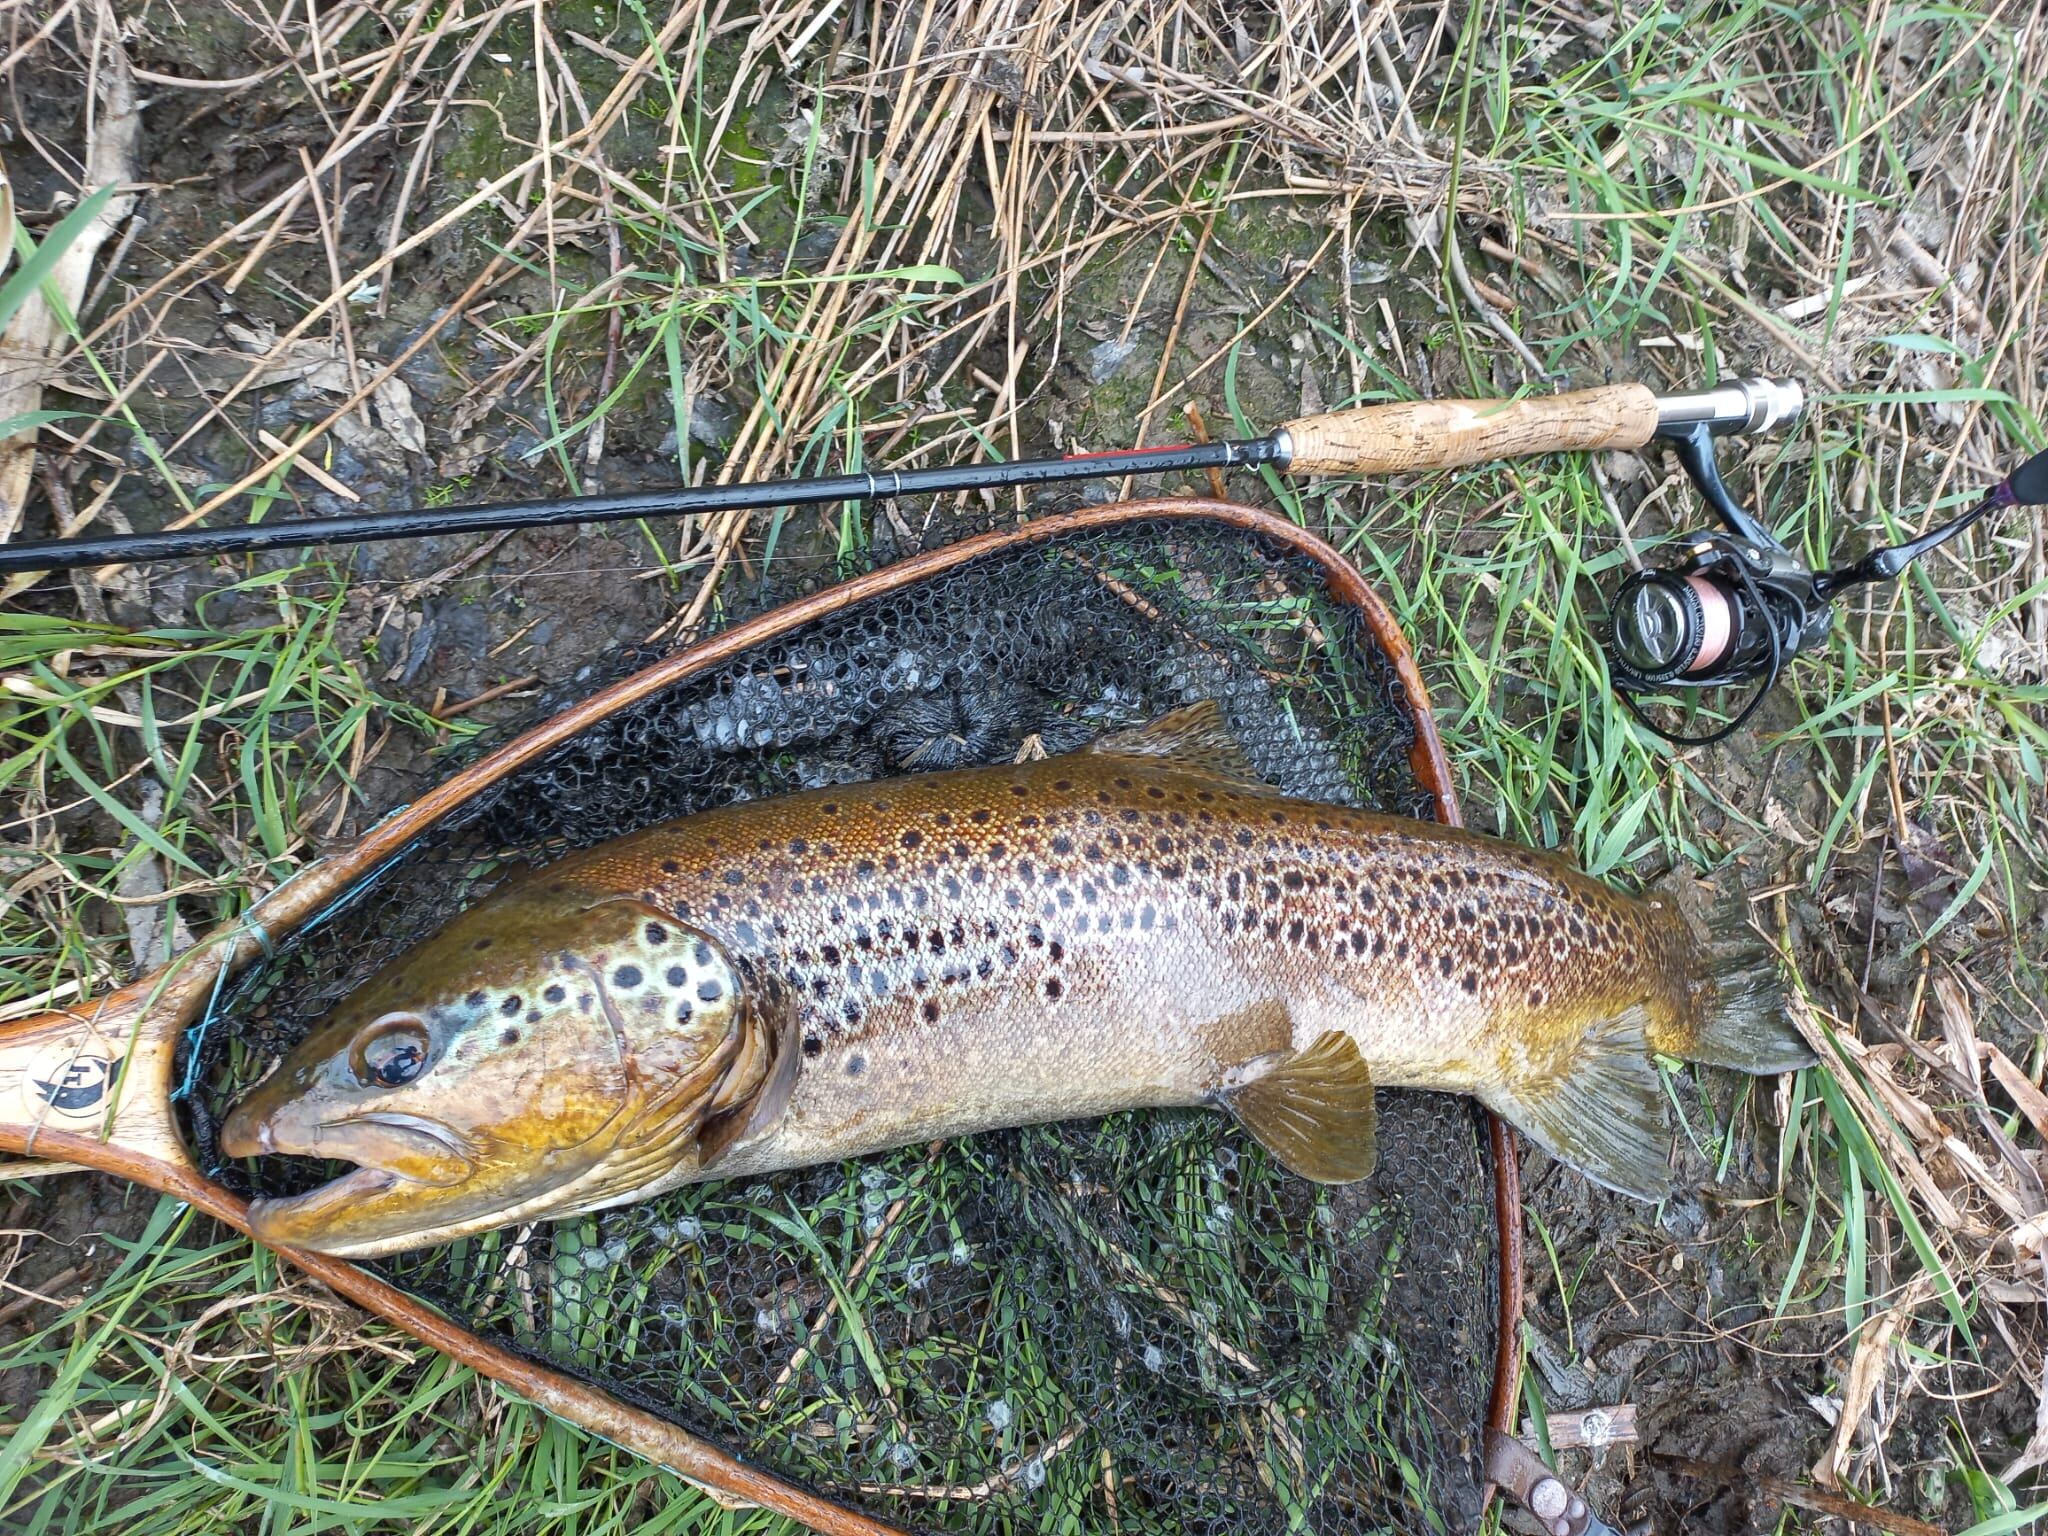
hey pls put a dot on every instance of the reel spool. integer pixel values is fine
(1739, 605)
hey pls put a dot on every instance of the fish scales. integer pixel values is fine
(961, 941)
(784, 982)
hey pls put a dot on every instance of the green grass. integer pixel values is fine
(197, 1387)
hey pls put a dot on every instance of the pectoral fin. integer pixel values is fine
(1313, 1110)
(776, 1037)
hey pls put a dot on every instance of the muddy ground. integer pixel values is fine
(1671, 1316)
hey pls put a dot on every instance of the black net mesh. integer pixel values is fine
(1137, 1324)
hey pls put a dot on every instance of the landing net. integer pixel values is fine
(1139, 1324)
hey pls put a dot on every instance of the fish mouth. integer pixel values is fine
(303, 1220)
(403, 1162)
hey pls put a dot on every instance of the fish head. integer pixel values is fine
(492, 1070)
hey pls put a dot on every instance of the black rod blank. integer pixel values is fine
(426, 522)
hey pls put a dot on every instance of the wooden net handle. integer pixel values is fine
(1443, 434)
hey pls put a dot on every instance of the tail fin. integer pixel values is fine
(1739, 1015)
(1602, 1108)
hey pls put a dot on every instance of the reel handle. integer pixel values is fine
(1447, 434)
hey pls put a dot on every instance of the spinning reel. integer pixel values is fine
(1740, 605)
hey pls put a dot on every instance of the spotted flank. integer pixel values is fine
(1142, 924)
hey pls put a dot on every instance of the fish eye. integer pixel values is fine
(392, 1052)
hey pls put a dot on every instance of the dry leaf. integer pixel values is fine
(1866, 1372)
(393, 402)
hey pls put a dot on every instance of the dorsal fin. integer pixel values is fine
(1193, 739)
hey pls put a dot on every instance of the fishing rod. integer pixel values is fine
(1371, 439)
(1736, 607)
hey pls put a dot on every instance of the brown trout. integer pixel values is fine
(1142, 924)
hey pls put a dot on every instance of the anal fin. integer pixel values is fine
(1601, 1110)
(1314, 1111)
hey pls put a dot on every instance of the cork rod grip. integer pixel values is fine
(1443, 434)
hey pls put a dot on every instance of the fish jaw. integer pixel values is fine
(398, 1157)
(304, 1220)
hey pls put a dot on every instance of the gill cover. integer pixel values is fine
(546, 1052)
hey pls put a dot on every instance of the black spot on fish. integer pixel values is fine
(671, 867)
(702, 953)
(511, 1005)
(912, 839)
(931, 1010)
(533, 1015)
(656, 934)
(813, 1045)
(476, 999)
(710, 991)
(510, 1037)
(683, 1011)
(856, 1064)
(627, 976)
(1053, 988)
(481, 944)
